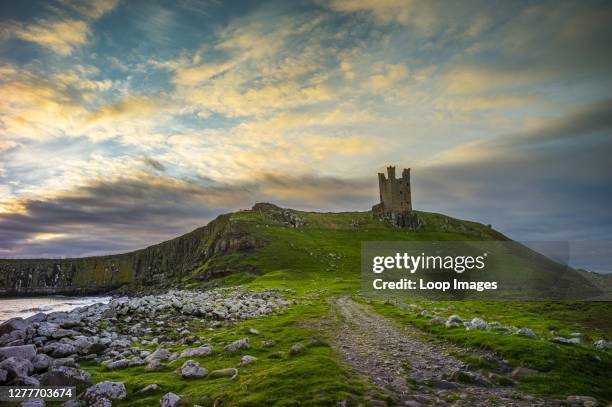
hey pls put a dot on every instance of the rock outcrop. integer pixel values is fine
(167, 261)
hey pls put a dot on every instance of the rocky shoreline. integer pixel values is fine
(45, 349)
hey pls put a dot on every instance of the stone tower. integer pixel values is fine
(394, 192)
(395, 198)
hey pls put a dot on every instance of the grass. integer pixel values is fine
(313, 378)
(569, 369)
(323, 259)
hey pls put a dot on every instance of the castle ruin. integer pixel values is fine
(395, 198)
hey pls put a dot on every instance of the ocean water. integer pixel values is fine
(25, 307)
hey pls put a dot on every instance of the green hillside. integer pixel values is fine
(317, 256)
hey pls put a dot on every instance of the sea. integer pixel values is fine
(25, 307)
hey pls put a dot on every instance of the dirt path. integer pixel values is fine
(412, 369)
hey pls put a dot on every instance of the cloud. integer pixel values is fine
(393, 73)
(549, 183)
(400, 11)
(134, 211)
(62, 34)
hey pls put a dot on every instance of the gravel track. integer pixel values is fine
(413, 370)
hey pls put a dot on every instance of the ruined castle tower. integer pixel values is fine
(394, 192)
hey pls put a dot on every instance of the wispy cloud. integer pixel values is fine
(61, 33)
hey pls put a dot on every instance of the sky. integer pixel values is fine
(126, 123)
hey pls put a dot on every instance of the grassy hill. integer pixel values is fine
(317, 255)
(211, 251)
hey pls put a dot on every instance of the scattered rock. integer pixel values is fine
(204, 350)
(154, 364)
(227, 372)
(243, 343)
(581, 400)
(192, 369)
(13, 324)
(246, 359)
(451, 324)
(603, 344)
(118, 364)
(148, 388)
(296, 349)
(438, 321)
(65, 376)
(170, 400)
(455, 318)
(566, 341)
(526, 332)
(33, 403)
(476, 323)
(16, 367)
(21, 352)
(105, 390)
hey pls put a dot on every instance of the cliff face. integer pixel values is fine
(167, 261)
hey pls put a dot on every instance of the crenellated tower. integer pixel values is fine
(395, 197)
(394, 192)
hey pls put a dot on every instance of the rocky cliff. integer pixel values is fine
(164, 262)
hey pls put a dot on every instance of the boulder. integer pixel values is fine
(16, 367)
(65, 376)
(192, 369)
(581, 400)
(455, 318)
(154, 364)
(566, 341)
(296, 349)
(33, 403)
(41, 362)
(118, 364)
(247, 359)
(451, 324)
(148, 388)
(136, 362)
(59, 349)
(39, 317)
(170, 400)
(107, 390)
(159, 354)
(13, 324)
(227, 372)
(63, 333)
(204, 350)
(21, 352)
(64, 362)
(103, 402)
(83, 345)
(526, 332)
(243, 343)
(26, 381)
(437, 321)
(477, 323)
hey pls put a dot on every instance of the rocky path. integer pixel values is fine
(413, 370)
